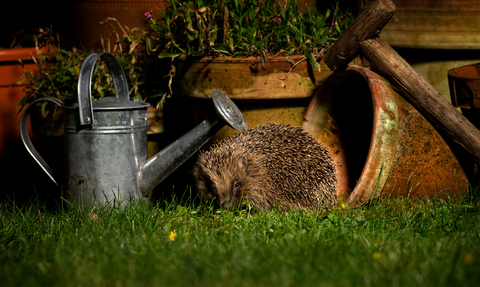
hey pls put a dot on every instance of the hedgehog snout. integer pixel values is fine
(229, 194)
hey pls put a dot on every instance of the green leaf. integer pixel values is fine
(338, 28)
(223, 48)
(64, 78)
(189, 18)
(42, 109)
(311, 59)
(239, 55)
(320, 41)
(333, 218)
(22, 103)
(122, 61)
(138, 98)
(19, 82)
(168, 55)
(155, 95)
(101, 93)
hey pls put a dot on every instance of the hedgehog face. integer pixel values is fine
(225, 181)
(227, 194)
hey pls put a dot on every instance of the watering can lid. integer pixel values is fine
(113, 103)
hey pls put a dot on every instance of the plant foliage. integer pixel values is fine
(58, 71)
(245, 28)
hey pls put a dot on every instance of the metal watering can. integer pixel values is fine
(106, 142)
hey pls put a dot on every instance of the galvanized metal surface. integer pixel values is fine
(85, 84)
(102, 162)
(380, 143)
(227, 110)
(26, 139)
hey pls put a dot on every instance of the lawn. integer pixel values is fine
(392, 242)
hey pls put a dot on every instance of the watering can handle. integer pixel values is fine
(26, 139)
(85, 84)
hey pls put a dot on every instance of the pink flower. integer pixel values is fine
(340, 18)
(149, 15)
(276, 19)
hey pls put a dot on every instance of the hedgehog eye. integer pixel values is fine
(213, 188)
(236, 184)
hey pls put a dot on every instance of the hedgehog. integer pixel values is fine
(270, 166)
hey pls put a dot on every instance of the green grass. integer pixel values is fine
(393, 242)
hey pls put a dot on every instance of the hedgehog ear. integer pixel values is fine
(243, 161)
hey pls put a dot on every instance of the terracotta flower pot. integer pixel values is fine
(263, 94)
(380, 144)
(464, 83)
(11, 93)
(12, 151)
(245, 78)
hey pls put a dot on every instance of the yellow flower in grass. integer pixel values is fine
(172, 236)
(468, 259)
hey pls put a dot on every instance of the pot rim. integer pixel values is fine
(24, 54)
(460, 72)
(230, 59)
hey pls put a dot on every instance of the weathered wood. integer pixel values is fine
(367, 25)
(415, 89)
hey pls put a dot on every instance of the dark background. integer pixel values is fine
(26, 15)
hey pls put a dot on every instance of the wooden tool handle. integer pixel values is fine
(367, 25)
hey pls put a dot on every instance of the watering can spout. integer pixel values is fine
(158, 167)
